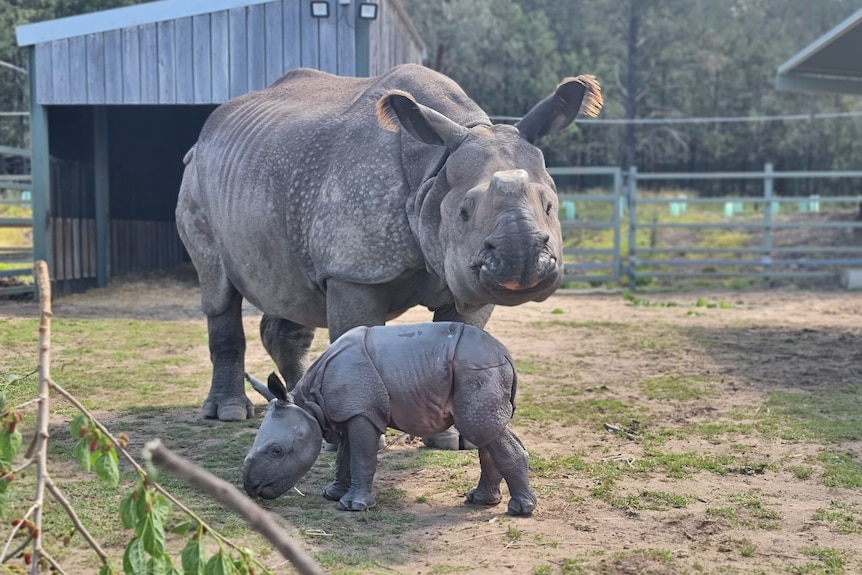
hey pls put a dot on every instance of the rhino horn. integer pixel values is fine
(581, 94)
(398, 108)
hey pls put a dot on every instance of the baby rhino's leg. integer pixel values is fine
(362, 438)
(341, 484)
(505, 458)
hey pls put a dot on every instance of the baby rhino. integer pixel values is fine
(419, 378)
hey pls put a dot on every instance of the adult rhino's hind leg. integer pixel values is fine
(227, 400)
(287, 343)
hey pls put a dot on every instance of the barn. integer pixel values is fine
(119, 96)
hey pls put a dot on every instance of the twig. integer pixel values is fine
(479, 536)
(221, 490)
(18, 549)
(26, 403)
(44, 283)
(4, 556)
(395, 440)
(55, 566)
(70, 511)
(18, 469)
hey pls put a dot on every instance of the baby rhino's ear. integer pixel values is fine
(277, 388)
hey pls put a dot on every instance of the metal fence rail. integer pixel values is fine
(770, 262)
(763, 260)
(586, 260)
(15, 261)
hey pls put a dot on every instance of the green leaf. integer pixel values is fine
(134, 559)
(193, 558)
(10, 443)
(181, 528)
(152, 535)
(77, 423)
(128, 511)
(82, 453)
(107, 470)
(107, 569)
(160, 510)
(3, 395)
(219, 564)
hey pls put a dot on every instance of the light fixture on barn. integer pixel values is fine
(320, 9)
(368, 10)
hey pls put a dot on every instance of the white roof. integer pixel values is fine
(147, 13)
(832, 63)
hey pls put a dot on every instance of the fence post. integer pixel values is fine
(631, 192)
(767, 222)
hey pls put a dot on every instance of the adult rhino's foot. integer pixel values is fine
(480, 496)
(229, 409)
(335, 490)
(449, 440)
(356, 501)
(522, 505)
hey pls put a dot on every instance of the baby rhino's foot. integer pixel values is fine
(481, 496)
(356, 501)
(522, 505)
(335, 491)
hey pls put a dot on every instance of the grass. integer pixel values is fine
(845, 518)
(679, 387)
(649, 475)
(747, 509)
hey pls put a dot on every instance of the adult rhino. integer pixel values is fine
(336, 202)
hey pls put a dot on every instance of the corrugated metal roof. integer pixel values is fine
(832, 63)
(147, 13)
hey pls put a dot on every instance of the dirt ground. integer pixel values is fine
(599, 345)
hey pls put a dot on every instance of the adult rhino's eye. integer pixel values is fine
(276, 451)
(464, 215)
(548, 208)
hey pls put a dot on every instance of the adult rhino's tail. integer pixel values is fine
(189, 155)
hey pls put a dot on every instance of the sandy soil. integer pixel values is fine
(597, 343)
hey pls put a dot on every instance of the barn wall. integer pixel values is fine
(202, 59)
(392, 39)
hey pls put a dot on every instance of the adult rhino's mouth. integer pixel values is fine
(506, 281)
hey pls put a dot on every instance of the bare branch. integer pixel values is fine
(229, 495)
(55, 567)
(4, 556)
(18, 469)
(70, 511)
(44, 282)
(17, 550)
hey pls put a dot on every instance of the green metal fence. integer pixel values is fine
(16, 260)
(774, 237)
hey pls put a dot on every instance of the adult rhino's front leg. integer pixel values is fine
(287, 343)
(227, 400)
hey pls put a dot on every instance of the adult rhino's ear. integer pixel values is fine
(397, 108)
(581, 94)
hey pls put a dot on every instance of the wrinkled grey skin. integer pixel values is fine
(419, 378)
(336, 202)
